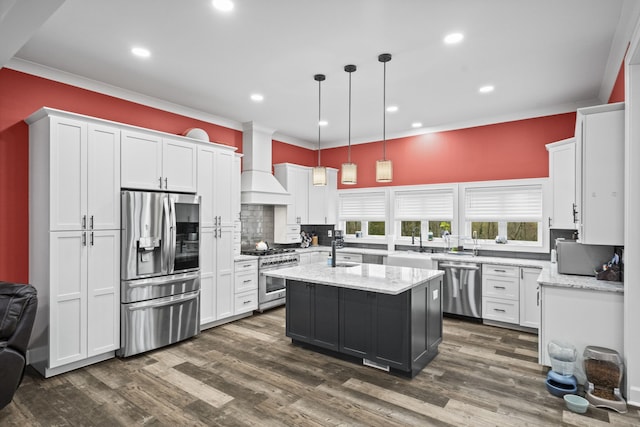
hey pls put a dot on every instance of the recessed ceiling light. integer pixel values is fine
(453, 38)
(416, 125)
(141, 52)
(223, 5)
(486, 89)
(257, 97)
(392, 108)
(323, 123)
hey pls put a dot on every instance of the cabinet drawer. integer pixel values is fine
(501, 287)
(292, 229)
(246, 266)
(340, 257)
(245, 302)
(501, 310)
(500, 270)
(246, 282)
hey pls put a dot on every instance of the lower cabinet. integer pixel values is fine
(246, 286)
(510, 295)
(313, 314)
(217, 296)
(387, 331)
(79, 313)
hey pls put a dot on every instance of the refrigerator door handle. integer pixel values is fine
(174, 230)
(166, 238)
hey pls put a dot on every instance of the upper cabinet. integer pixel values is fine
(151, 162)
(216, 167)
(599, 174)
(84, 165)
(562, 166)
(311, 204)
(295, 179)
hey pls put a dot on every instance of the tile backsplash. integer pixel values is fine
(257, 225)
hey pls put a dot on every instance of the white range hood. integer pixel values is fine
(258, 185)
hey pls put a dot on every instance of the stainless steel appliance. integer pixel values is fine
(576, 258)
(462, 288)
(271, 290)
(160, 270)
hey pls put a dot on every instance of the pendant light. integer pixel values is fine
(319, 172)
(384, 168)
(349, 170)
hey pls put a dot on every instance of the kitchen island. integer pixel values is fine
(388, 317)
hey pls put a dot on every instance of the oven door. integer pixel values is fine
(270, 288)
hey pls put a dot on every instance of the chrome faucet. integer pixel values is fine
(413, 241)
(476, 248)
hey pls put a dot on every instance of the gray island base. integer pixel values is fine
(387, 317)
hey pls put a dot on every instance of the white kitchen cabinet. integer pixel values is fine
(348, 257)
(74, 240)
(310, 204)
(85, 181)
(562, 165)
(216, 168)
(151, 162)
(323, 199)
(295, 179)
(510, 295)
(580, 317)
(600, 174)
(216, 275)
(246, 286)
(216, 165)
(529, 297)
(501, 293)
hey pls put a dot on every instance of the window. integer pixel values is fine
(514, 212)
(418, 212)
(363, 214)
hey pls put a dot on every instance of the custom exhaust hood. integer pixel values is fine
(258, 185)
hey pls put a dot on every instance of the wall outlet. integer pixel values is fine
(329, 233)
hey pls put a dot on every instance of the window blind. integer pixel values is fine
(424, 204)
(513, 203)
(365, 206)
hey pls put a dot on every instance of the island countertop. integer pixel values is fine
(383, 279)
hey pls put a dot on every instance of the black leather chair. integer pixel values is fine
(18, 305)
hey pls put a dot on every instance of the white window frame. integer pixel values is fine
(419, 190)
(542, 245)
(366, 238)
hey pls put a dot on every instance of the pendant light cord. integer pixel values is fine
(319, 117)
(319, 78)
(384, 112)
(349, 152)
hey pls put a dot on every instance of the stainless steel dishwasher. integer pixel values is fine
(462, 288)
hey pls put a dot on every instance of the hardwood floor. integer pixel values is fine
(249, 373)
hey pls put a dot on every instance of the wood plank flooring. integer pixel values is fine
(249, 373)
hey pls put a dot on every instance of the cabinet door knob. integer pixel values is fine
(84, 222)
(160, 182)
(166, 183)
(84, 239)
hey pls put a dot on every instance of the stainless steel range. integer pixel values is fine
(271, 291)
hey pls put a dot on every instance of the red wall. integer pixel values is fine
(617, 93)
(501, 151)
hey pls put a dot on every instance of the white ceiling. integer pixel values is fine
(543, 56)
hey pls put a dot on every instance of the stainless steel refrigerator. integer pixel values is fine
(160, 270)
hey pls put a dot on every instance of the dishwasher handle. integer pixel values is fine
(460, 266)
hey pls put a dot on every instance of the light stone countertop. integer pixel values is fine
(516, 262)
(383, 279)
(550, 277)
(350, 250)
